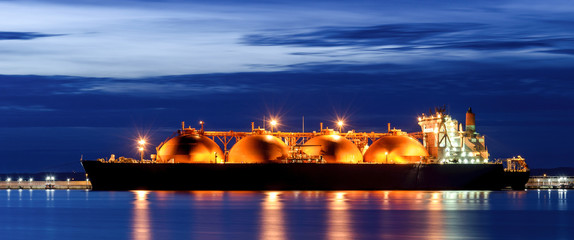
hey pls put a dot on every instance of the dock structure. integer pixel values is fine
(48, 184)
(537, 182)
(360, 139)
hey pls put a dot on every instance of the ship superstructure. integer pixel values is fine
(448, 143)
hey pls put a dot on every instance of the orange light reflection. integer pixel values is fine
(339, 225)
(272, 220)
(141, 229)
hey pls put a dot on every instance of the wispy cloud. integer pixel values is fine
(32, 108)
(561, 51)
(138, 39)
(411, 37)
(25, 35)
(380, 35)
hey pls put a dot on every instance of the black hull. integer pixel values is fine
(295, 176)
(516, 180)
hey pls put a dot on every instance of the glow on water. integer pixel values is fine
(64, 214)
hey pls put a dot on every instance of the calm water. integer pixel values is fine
(61, 214)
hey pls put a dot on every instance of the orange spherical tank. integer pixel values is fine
(258, 149)
(333, 148)
(190, 149)
(395, 149)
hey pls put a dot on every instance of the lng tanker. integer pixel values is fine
(443, 156)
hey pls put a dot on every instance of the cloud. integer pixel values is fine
(194, 85)
(498, 44)
(25, 35)
(32, 108)
(379, 35)
(408, 37)
(561, 51)
(469, 78)
(159, 38)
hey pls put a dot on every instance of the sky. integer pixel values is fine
(82, 79)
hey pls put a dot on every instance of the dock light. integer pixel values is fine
(8, 179)
(31, 180)
(141, 149)
(141, 142)
(273, 124)
(20, 179)
(340, 124)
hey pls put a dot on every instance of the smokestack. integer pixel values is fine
(470, 122)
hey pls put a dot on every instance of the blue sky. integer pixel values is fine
(84, 77)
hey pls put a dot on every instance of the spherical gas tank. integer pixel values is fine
(193, 148)
(395, 149)
(258, 149)
(333, 148)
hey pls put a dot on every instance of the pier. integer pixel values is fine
(49, 184)
(537, 182)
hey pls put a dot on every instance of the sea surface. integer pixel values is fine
(80, 214)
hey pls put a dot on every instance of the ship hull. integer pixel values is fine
(294, 176)
(516, 180)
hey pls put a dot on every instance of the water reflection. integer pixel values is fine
(141, 228)
(50, 194)
(339, 220)
(272, 222)
(547, 201)
(331, 215)
(421, 214)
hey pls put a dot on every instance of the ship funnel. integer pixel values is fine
(470, 121)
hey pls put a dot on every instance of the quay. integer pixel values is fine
(49, 184)
(547, 182)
